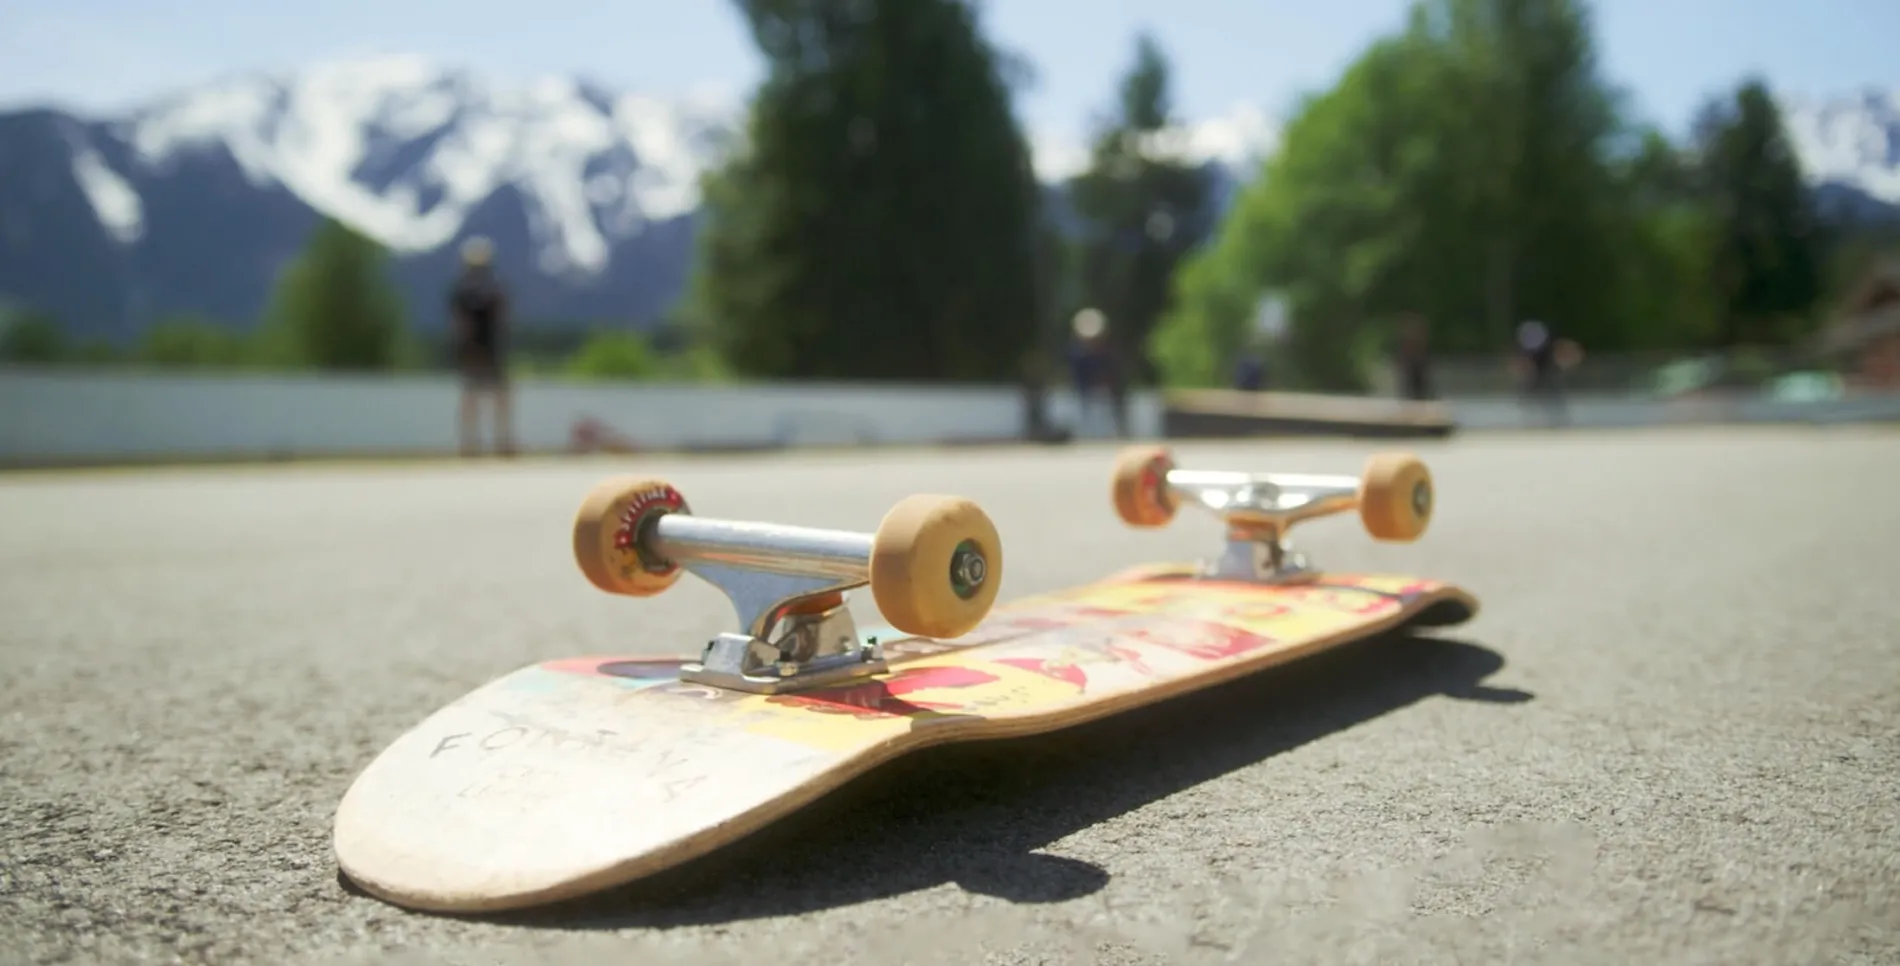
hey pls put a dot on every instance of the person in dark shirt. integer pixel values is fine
(1542, 360)
(479, 306)
(1085, 365)
(1250, 375)
(1414, 358)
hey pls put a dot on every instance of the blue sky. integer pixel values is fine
(99, 55)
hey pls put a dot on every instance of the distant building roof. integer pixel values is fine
(1870, 312)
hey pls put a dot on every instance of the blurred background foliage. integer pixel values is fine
(883, 222)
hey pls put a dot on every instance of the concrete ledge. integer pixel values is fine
(54, 418)
(69, 417)
(1221, 413)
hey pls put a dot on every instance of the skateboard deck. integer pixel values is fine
(582, 773)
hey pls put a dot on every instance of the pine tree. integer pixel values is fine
(335, 307)
(1767, 270)
(1143, 206)
(1465, 169)
(880, 220)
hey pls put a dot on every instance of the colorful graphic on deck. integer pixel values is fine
(628, 672)
(902, 693)
(1034, 656)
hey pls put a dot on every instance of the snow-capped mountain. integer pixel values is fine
(1850, 149)
(406, 152)
(196, 201)
(1852, 140)
(1237, 140)
(193, 203)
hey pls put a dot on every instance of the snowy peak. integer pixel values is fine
(1852, 140)
(405, 151)
(116, 203)
(587, 191)
(1239, 139)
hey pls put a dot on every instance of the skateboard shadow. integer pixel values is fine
(975, 814)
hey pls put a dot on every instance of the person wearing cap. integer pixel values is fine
(479, 305)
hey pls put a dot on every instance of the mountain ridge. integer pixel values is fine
(193, 202)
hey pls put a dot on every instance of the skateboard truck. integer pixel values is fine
(933, 565)
(1393, 497)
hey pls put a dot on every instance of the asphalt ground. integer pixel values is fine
(1669, 737)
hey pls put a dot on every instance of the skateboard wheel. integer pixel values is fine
(1140, 490)
(608, 536)
(1395, 497)
(936, 564)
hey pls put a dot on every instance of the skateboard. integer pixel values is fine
(578, 774)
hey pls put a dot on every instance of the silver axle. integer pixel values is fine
(1259, 510)
(786, 585)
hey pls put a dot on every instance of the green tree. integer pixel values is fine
(1767, 270)
(1144, 208)
(1467, 168)
(694, 363)
(1664, 233)
(1534, 127)
(613, 355)
(879, 219)
(33, 337)
(1329, 223)
(188, 341)
(335, 307)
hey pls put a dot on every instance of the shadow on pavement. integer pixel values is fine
(975, 814)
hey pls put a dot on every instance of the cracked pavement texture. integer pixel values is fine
(1669, 737)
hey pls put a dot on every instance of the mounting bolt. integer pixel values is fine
(968, 569)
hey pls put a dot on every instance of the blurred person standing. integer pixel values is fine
(1033, 379)
(1089, 364)
(1541, 361)
(1413, 354)
(1119, 373)
(1250, 374)
(479, 306)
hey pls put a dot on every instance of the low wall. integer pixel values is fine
(1224, 413)
(1600, 412)
(55, 417)
(59, 417)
